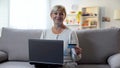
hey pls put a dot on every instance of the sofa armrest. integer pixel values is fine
(114, 61)
(3, 56)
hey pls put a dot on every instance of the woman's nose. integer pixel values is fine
(58, 15)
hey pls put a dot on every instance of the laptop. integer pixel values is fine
(46, 51)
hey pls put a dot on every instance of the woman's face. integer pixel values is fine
(58, 17)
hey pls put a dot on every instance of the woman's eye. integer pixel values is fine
(61, 13)
(55, 13)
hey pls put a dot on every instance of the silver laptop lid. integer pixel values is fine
(46, 51)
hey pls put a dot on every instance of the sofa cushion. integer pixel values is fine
(16, 42)
(98, 44)
(3, 56)
(1, 44)
(114, 61)
(93, 66)
(16, 64)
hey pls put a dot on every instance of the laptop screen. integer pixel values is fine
(46, 51)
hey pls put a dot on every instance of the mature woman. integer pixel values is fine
(60, 32)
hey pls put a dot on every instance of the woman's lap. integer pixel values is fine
(65, 65)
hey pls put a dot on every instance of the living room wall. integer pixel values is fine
(4, 13)
(107, 8)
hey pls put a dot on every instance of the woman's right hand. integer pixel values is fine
(78, 50)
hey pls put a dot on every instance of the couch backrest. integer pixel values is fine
(15, 42)
(98, 44)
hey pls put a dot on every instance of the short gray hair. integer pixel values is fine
(57, 8)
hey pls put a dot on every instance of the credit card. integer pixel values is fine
(71, 45)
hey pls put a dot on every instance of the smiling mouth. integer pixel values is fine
(58, 19)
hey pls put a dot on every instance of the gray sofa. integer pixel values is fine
(100, 47)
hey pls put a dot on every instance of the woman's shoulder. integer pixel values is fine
(46, 30)
(70, 30)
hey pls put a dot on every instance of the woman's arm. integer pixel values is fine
(74, 40)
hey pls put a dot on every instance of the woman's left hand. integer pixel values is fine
(78, 50)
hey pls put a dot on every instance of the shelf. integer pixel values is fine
(90, 26)
(90, 17)
(87, 19)
(72, 20)
(71, 14)
(72, 24)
